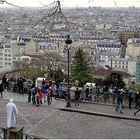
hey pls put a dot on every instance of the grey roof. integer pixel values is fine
(108, 53)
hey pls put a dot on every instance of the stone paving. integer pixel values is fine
(50, 122)
(107, 109)
(29, 115)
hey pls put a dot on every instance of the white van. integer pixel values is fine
(38, 81)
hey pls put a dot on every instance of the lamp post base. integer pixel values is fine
(68, 104)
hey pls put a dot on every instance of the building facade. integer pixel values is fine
(6, 62)
(138, 72)
(133, 47)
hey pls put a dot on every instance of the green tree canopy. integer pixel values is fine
(114, 79)
(81, 70)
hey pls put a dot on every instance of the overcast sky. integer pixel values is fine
(79, 3)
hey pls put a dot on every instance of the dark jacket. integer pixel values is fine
(120, 99)
(130, 98)
(1, 87)
(77, 94)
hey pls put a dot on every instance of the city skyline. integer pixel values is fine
(77, 3)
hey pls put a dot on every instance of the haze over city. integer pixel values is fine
(77, 3)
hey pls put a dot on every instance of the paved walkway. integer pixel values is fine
(31, 116)
(95, 107)
(103, 110)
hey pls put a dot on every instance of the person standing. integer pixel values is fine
(33, 90)
(29, 95)
(130, 99)
(20, 85)
(1, 88)
(11, 114)
(50, 92)
(87, 94)
(119, 102)
(48, 97)
(38, 97)
(137, 99)
(47, 83)
(138, 110)
(77, 96)
(4, 82)
(43, 90)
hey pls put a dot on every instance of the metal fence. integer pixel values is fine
(109, 98)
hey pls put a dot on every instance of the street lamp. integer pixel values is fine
(68, 41)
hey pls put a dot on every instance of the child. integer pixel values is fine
(39, 97)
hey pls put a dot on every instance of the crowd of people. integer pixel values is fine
(116, 95)
(44, 93)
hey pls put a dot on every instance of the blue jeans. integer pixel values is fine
(119, 107)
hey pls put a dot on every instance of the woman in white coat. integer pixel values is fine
(11, 114)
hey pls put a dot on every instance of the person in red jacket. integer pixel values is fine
(39, 97)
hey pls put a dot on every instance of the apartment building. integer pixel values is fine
(111, 45)
(138, 72)
(26, 45)
(125, 64)
(133, 47)
(6, 62)
(21, 58)
(43, 47)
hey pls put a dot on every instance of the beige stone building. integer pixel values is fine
(125, 64)
(26, 46)
(30, 48)
(133, 47)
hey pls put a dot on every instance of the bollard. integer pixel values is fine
(13, 133)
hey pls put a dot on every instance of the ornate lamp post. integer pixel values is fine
(68, 41)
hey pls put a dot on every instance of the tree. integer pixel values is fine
(51, 63)
(98, 81)
(81, 70)
(114, 79)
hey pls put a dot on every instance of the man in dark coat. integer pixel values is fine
(119, 102)
(130, 99)
(77, 96)
(1, 88)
